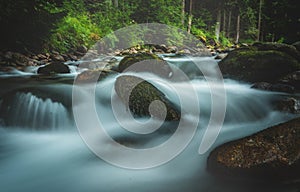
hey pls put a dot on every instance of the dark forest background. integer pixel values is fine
(35, 25)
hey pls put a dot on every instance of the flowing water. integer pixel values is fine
(41, 149)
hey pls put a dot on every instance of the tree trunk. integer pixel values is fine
(229, 24)
(116, 3)
(224, 23)
(182, 13)
(259, 20)
(190, 17)
(238, 29)
(218, 25)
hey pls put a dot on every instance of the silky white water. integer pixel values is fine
(41, 149)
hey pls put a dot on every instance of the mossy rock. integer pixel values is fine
(53, 68)
(281, 47)
(272, 154)
(145, 62)
(137, 94)
(250, 64)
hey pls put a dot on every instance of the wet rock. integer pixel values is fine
(172, 49)
(221, 56)
(137, 94)
(249, 64)
(57, 57)
(42, 56)
(272, 154)
(278, 87)
(145, 62)
(289, 105)
(262, 86)
(16, 59)
(65, 56)
(53, 68)
(73, 57)
(162, 47)
(281, 47)
(292, 79)
(185, 51)
(297, 45)
(35, 57)
(79, 54)
(90, 76)
(82, 49)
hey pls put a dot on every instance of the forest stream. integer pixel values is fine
(40, 146)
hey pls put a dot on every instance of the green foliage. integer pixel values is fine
(66, 24)
(73, 31)
(224, 41)
(209, 37)
(84, 24)
(281, 40)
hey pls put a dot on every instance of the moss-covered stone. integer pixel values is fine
(270, 154)
(281, 47)
(138, 94)
(145, 62)
(250, 64)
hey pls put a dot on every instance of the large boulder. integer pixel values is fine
(272, 154)
(53, 68)
(145, 62)
(284, 48)
(253, 65)
(137, 94)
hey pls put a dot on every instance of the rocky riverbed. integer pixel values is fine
(272, 154)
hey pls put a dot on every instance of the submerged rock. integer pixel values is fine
(89, 76)
(253, 65)
(137, 94)
(53, 68)
(272, 154)
(262, 86)
(145, 62)
(278, 87)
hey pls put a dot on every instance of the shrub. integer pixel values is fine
(73, 31)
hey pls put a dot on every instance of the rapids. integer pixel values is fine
(41, 149)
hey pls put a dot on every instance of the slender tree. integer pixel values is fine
(116, 3)
(190, 17)
(259, 20)
(182, 12)
(238, 23)
(218, 24)
(224, 22)
(229, 24)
